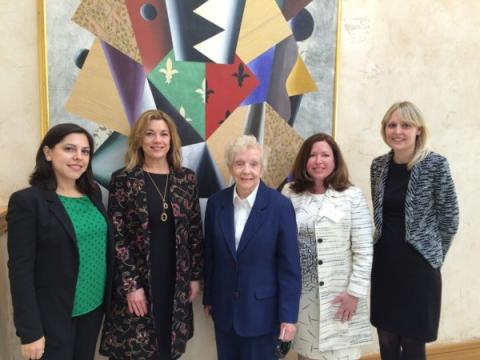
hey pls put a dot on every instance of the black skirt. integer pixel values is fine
(406, 289)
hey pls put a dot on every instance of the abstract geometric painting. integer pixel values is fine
(219, 68)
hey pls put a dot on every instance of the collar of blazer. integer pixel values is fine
(382, 174)
(57, 209)
(329, 207)
(175, 189)
(255, 219)
(138, 200)
(380, 180)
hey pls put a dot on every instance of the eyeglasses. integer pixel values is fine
(282, 349)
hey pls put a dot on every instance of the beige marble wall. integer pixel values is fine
(19, 104)
(19, 129)
(425, 51)
(9, 344)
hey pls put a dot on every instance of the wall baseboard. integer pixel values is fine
(466, 350)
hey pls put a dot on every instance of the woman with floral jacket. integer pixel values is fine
(155, 210)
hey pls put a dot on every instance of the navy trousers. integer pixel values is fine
(231, 346)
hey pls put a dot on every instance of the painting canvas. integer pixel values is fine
(219, 68)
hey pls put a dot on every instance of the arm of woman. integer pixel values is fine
(22, 243)
(347, 306)
(446, 205)
(137, 302)
(125, 272)
(372, 180)
(34, 350)
(195, 239)
(362, 254)
(362, 246)
(289, 283)
(208, 258)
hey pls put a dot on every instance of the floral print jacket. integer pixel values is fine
(126, 336)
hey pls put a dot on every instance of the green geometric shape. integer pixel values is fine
(183, 84)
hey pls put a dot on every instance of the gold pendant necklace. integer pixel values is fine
(164, 216)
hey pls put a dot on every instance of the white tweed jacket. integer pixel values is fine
(336, 249)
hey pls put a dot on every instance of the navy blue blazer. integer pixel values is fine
(257, 287)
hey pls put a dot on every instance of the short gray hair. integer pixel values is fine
(242, 143)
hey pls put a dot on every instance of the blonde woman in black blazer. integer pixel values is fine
(416, 217)
(50, 277)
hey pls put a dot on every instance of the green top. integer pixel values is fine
(91, 235)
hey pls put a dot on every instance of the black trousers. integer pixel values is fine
(79, 340)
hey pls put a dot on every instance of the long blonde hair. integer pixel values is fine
(412, 115)
(135, 156)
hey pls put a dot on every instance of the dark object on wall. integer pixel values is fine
(81, 57)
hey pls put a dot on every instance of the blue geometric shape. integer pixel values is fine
(261, 66)
(148, 12)
(302, 25)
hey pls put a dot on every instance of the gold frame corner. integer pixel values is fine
(43, 66)
(337, 69)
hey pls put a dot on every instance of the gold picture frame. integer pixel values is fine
(43, 67)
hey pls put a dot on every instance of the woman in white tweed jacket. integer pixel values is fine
(335, 241)
(416, 217)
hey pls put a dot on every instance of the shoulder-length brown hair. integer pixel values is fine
(338, 179)
(135, 156)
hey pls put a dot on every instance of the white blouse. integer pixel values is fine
(241, 212)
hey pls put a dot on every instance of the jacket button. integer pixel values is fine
(320, 262)
(320, 240)
(236, 295)
(321, 283)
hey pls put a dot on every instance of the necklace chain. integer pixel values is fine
(164, 216)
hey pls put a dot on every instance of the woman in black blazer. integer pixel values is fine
(59, 251)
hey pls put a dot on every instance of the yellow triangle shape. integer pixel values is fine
(300, 81)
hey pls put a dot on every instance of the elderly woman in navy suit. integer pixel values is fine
(60, 256)
(252, 268)
(416, 217)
